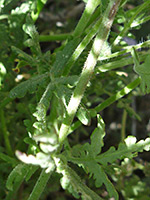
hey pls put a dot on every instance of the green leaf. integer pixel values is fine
(125, 150)
(8, 159)
(84, 116)
(73, 183)
(27, 58)
(142, 70)
(44, 103)
(28, 86)
(88, 155)
(30, 29)
(97, 136)
(16, 176)
(30, 141)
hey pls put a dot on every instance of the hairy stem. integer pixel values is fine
(89, 9)
(88, 68)
(81, 47)
(40, 185)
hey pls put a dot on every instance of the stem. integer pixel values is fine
(126, 90)
(5, 102)
(81, 47)
(117, 96)
(123, 128)
(128, 25)
(128, 49)
(118, 63)
(88, 68)
(89, 9)
(40, 185)
(49, 38)
(5, 133)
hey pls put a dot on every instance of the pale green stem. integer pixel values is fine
(123, 125)
(59, 37)
(127, 50)
(89, 9)
(81, 47)
(88, 68)
(119, 63)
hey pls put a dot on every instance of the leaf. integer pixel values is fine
(28, 86)
(8, 159)
(48, 142)
(87, 158)
(30, 141)
(125, 150)
(88, 155)
(27, 58)
(63, 93)
(44, 103)
(41, 159)
(16, 176)
(63, 56)
(30, 29)
(143, 70)
(72, 182)
(84, 116)
(97, 136)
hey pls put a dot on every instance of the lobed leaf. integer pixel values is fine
(28, 86)
(16, 176)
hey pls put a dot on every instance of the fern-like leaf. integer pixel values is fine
(28, 86)
(88, 156)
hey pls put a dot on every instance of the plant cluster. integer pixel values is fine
(52, 103)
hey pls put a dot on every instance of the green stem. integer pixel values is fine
(128, 25)
(81, 47)
(117, 96)
(40, 185)
(126, 90)
(88, 68)
(5, 133)
(123, 128)
(89, 9)
(127, 50)
(59, 37)
(5, 102)
(118, 63)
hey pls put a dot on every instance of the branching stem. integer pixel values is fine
(89, 66)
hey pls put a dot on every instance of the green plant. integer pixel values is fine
(60, 99)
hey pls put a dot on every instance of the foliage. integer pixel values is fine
(48, 114)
